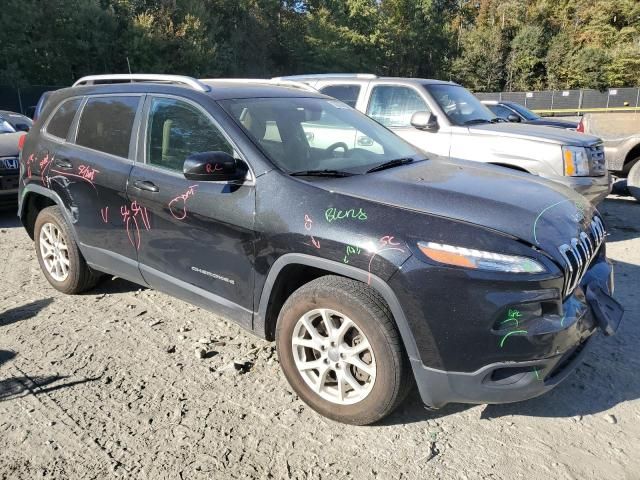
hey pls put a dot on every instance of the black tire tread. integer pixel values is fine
(371, 300)
(633, 180)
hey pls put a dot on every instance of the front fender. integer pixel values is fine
(339, 269)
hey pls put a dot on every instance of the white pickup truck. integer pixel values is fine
(445, 119)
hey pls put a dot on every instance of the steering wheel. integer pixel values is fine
(334, 146)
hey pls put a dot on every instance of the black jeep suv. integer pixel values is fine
(307, 222)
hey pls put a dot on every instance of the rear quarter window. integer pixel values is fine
(106, 124)
(345, 93)
(62, 119)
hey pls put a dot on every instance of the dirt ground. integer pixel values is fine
(109, 384)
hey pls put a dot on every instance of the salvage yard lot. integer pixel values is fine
(111, 384)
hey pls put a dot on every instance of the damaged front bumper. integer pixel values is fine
(590, 309)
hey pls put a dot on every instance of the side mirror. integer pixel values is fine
(512, 117)
(424, 121)
(213, 167)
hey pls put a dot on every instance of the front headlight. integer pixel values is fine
(576, 162)
(478, 259)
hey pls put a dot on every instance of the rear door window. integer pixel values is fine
(393, 106)
(345, 93)
(106, 124)
(63, 118)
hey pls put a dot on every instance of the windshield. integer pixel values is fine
(5, 127)
(301, 134)
(460, 106)
(525, 112)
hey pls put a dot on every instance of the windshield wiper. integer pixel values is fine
(390, 164)
(321, 173)
(473, 121)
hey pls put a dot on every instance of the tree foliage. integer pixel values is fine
(484, 44)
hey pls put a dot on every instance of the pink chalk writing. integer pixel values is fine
(45, 166)
(88, 173)
(213, 168)
(29, 161)
(104, 213)
(67, 174)
(131, 214)
(383, 246)
(308, 223)
(178, 206)
(388, 240)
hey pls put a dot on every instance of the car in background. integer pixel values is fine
(445, 119)
(620, 132)
(19, 122)
(516, 113)
(9, 164)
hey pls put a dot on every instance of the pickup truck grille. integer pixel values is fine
(596, 159)
(579, 253)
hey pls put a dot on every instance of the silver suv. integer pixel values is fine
(445, 119)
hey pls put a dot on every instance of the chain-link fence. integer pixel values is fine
(572, 101)
(22, 100)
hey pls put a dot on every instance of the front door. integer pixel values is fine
(194, 239)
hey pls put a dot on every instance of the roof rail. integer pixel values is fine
(142, 77)
(260, 81)
(363, 76)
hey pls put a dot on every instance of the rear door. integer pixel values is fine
(194, 239)
(91, 171)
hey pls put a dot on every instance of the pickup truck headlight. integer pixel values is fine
(576, 162)
(478, 259)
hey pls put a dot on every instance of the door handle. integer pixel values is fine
(63, 163)
(146, 185)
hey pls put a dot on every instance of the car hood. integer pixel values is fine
(534, 132)
(9, 144)
(553, 122)
(540, 212)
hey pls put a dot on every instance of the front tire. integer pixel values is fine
(341, 352)
(633, 180)
(58, 255)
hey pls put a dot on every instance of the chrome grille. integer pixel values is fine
(596, 159)
(579, 253)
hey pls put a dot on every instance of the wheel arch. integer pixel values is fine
(512, 167)
(34, 199)
(630, 159)
(275, 292)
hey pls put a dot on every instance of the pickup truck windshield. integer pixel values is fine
(317, 135)
(460, 106)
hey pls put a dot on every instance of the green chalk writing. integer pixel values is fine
(333, 214)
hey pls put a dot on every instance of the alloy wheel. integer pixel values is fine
(333, 356)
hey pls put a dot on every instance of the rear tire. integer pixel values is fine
(633, 180)
(58, 255)
(341, 352)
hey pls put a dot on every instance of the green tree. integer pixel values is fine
(525, 64)
(480, 65)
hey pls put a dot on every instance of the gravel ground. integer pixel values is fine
(112, 384)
